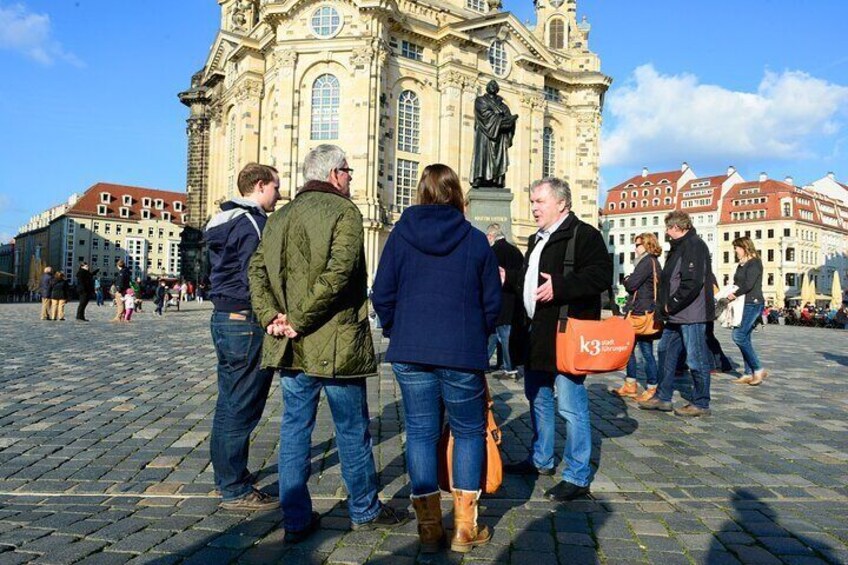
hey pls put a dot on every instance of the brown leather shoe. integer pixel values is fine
(466, 534)
(646, 395)
(758, 377)
(743, 380)
(428, 511)
(627, 390)
(692, 411)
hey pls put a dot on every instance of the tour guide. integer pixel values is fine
(545, 289)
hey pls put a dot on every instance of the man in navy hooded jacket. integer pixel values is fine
(232, 236)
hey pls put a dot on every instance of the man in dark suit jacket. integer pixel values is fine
(85, 289)
(544, 289)
(509, 258)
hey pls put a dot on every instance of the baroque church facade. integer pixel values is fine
(392, 82)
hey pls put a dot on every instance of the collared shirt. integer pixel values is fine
(531, 277)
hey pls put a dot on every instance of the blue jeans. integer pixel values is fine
(242, 391)
(646, 348)
(348, 403)
(99, 296)
(427, 391)
(690, 338)
(573, 406)
(501, 336)
(742, 336)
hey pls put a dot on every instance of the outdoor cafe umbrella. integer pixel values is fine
(811, 289)
(805, 290)
(836, 292)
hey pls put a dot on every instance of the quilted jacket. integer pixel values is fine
(310, 265)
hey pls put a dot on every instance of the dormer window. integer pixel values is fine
(612, 206)
(146, 202)
(646, 183)
(127, 200)
(125, 212)
(159, 204)
(145, 214)
(184, 218)
(101, 209)
(623, 195)
(664, 181)
(178, 206)
(166, 216)
(105, 197)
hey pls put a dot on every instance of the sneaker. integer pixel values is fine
(387, 518)
(646, 395)
(255, 500)
(564, 491)
(758, 377)
(692, 411)
(526, 468)
(509, 375)
(293, 537)
(656, 404)
(743, 380)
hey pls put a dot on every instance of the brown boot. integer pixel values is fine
(466, 534)
(758, 377)
(628, 390)
(648, 394)
(428, 510)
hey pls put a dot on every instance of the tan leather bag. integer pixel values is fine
(492, 475)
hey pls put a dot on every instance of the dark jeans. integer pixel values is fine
(348, 403)
(427, 391)
(242, 391)
(742, 337)
(99, 294)
(501, 336)
(83, 302)
(690, 338)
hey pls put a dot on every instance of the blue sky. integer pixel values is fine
(89, 90)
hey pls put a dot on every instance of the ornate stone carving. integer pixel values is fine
(247, 90)
(243, 15)
(214, 113)
(455, 79)
(362, 56)
(532, 100)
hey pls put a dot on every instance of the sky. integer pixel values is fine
(89, 90)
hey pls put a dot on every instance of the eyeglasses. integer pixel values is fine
(348, 170)
(637, 244)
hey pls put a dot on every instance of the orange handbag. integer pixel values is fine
(492, 475)
(585, 347)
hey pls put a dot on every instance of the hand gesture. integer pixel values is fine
(502, 273)
(545, 293)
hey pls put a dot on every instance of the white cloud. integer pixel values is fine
(31, 34)
(675, 117)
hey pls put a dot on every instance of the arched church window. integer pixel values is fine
(325, 107)
(326, 21)
(498, 59)
(548, 152)
(409, 121)
(556, 34)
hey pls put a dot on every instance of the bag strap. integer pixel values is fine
(654, 266)
(568, 267)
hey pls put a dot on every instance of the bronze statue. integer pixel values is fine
(494, 127)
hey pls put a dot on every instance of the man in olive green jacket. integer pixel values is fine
(308, 284)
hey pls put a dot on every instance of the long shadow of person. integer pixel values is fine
(841, 359)
(759, 533)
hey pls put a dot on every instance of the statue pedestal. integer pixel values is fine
(490, 206)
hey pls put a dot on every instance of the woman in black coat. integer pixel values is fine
(642, 285)
(59, 296)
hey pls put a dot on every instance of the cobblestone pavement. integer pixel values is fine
(104, 458)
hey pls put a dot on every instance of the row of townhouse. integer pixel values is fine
(799, 231)
(108, 222)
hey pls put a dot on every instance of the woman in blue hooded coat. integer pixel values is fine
(437, 293)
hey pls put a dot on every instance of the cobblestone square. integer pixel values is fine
(104, 458)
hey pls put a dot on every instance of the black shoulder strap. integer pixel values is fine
(568, 266)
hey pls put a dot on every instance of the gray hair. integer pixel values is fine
(558, 186)
(321, 161)
(678, 219)
(495, 230)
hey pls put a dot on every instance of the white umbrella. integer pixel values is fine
(836, 291)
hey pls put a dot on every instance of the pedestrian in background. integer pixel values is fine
(641, 286)
(122, 283)
(129, 304)
(232, 236)
(308, 281)
(437, 293)
(98, 290)
(749, 282)
(160, 297)
(511, 315)
(44, 290)
(85, 289)
(58, 296)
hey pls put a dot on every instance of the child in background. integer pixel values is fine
(129, 304)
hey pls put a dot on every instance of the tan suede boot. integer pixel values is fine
(431, 534)
(466, 534)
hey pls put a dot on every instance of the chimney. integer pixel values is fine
(790, 181)
(831, 176)
(763, 177)
(644, 172)
(730, 170)
(684, 166)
